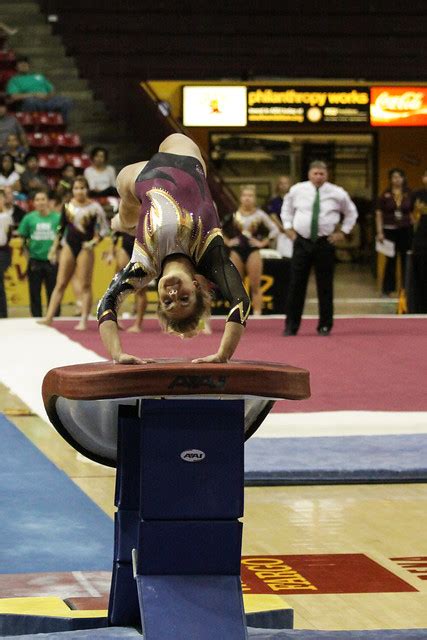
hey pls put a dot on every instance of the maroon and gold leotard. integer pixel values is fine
(177, 216)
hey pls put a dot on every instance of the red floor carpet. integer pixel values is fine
(371, 364)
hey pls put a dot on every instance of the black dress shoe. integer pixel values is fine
(289, 332)
(324, 331)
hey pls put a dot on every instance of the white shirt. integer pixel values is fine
(10, 180)
(297, 209)
(100, 180)
(6, 222)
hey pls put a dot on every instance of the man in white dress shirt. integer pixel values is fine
(311, 214)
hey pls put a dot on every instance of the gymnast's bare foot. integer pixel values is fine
(82, 326)
(207, 329)
(45, 322)
(135, 328)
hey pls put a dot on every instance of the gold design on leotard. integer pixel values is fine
(200, 244)
(190, 231)
(79, 217)
(106, 313)
(239, 307)
(243, 224)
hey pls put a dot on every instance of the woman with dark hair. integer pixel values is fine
(101, 176)
(83, 224)
(65, 183)
(9, 177)
(167, 204)
(393, 222)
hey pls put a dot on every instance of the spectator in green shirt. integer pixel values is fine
(28, 91)
(38, 228)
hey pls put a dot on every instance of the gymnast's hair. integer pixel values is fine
(191, 325)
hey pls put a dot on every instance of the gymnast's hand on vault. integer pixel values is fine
(216, 357)
(125, 358)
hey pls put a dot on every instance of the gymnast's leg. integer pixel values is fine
(182, 145)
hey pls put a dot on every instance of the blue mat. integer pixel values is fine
(332, 460)
(47, 524)
(116, 633)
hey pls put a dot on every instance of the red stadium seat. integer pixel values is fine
(29, 121)
(68, 141)
(51, 164)
(78, 160)
(51, 121)
(42, 141)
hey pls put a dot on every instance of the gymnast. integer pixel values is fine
(83, 224)
(167, 205)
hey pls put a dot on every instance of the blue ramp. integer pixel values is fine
(47, 524)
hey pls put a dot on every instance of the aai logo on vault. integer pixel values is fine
(193, 455)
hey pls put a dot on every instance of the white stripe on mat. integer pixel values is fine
(29, 350)
(342, 423)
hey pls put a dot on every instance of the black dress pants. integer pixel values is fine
(402, 239)
(5, 256)
(419, 271)
(321, 256)
(40, 272)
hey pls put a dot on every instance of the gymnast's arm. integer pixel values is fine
(130, 279)
(218, 268)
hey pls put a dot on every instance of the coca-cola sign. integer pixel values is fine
(398, 106)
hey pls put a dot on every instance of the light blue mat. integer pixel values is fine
(332, 460)
(47, 524)
(116, 633)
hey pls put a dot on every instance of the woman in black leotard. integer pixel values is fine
(83, 225)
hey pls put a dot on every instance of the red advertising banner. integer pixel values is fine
(318, 573)
(398, 106)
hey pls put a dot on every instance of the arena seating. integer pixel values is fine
(206, 40)
(40, 121)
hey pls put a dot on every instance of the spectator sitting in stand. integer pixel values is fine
(101, 176)
(31, 179)
(9, 124)
(65, 184)
(9, 177)
(15, 210)
(16, 150)
(33, 92)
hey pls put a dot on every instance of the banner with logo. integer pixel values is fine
(308, 105)
(398, 106)
(214, 106)
(16, 282)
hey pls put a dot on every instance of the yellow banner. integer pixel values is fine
(16, 276)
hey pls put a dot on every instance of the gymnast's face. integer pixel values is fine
(177, 294)
(80, 191)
